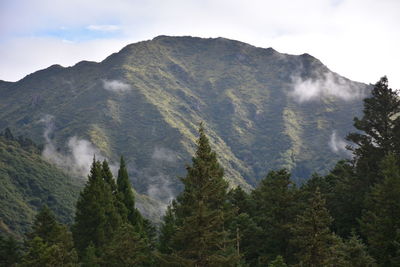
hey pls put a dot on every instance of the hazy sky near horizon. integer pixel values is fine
(359, 39)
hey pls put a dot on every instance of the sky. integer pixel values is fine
(359, 39)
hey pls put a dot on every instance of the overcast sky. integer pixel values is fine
(359, 39)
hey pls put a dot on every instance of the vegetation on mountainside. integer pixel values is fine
(349, 217)
(28, 182)
(166, 87)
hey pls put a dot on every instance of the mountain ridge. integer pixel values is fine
(146, 101)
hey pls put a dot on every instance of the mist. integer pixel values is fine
(338, 145)
(79, 155)
(326, 85)
(116, 86)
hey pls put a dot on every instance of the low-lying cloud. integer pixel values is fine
(116, 86)
(164, 154)
(338, 145)
(79, 155)
(103, 28)
(326, 85)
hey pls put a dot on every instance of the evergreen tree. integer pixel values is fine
(311, 234)
(201, 238)
(96, 217)
(50, 240)
(90, 258)
(356, 253)
(108, 177)
(10, 251)
(380, 222)
(376, 136)
(275, 201)
(127, 248)
(167, 231)
(278, 262)
(126, 196)
(344, 200)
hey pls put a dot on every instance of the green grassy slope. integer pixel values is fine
(27, 182)
(242, 93)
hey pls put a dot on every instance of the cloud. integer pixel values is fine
(104, 28)
(164, 154)
(338, 145)
(79, 157)
(116, 86)
(326, 85)
(357, 38)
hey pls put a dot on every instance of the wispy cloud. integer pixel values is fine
(103, 28)
(116, 86)
(338, 145)
(78, 158)
(326, 85)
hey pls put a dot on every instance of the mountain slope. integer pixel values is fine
(262, 109)
(27, 183)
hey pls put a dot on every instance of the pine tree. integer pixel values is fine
(49, 243)
(126, 196)
(278, 262)
(202, 209)
(356, 253)
(274, 209)
(10, 251)
(311, 233)
(167, 231)
(380, 222)
(96, 217)
(376, 136)
(127, 248)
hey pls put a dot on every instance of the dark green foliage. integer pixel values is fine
(90, 259)
(126, 196)
(201, 212)
(311, 234)
(49, 243)
(380, 222)
(167, 231)
(356, 253)
(127, 248)
(378, 131)
(10, 251)
(96, 217)
(275, 207)
(27, 182)
(278, 262)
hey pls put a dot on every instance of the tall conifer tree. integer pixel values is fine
(126, 196)
(311, 233)
(201, 212)
(380, 222)
(96, 217)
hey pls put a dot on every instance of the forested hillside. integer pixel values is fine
(348, 217)
(28, 182)
(263, 109)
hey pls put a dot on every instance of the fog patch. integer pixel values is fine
(338, 145)
(79, 155)
(326, 85)
(116, 86)
(164, 154)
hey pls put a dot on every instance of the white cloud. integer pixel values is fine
(338, 145)
(104, 28)
(116, 86)
(356, 38)
(327, 85)
(79, 157)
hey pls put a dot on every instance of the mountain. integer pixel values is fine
(262, 110)
(27, 182)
